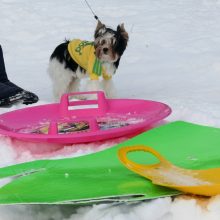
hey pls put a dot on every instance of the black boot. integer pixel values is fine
(11, 93)
(27, 97)
(8, 95)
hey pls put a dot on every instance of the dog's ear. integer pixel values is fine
(121, 30)
(98, 27)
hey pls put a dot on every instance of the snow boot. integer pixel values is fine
(11, 93)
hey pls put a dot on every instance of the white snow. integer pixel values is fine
(173, 56)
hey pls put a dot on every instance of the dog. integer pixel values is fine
(73, 60)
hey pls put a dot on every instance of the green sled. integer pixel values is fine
(100, 177)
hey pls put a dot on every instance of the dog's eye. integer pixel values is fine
(103, 42)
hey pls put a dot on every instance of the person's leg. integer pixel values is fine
(3, 75)
(10, 93)
(6, 91)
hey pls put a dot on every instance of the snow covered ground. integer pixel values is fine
(173, 56)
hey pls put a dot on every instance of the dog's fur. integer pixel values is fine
(66, 73)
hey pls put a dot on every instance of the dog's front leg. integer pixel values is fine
(92, 85)
(109, 88)
(74, 85)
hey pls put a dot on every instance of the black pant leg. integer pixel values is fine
(3, 74)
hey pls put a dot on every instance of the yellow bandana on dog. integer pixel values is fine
(83, 53)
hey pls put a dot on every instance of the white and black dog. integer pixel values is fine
(68, 65)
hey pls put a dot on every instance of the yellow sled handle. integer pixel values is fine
(122, 154)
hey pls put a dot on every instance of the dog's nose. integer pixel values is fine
(105, 50)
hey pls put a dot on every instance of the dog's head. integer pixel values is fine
(110, 44)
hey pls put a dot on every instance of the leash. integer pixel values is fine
(95, 16)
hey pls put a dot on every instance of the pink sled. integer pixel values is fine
(82, 121)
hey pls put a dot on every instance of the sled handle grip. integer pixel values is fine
(131, 165)
(65, 104)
